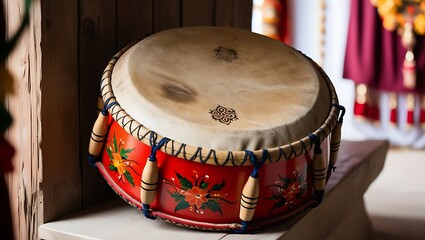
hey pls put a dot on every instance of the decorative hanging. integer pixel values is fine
(408, 18)
(393, 102)
(385, 57)
(322, 32)
(422, 113)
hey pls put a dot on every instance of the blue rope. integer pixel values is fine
(107, 106)
(257, 164)
(243, 228)
(156, 147)
(93, 160)
(146, 212)
(152, 158)
(316, 143)
(342, 109)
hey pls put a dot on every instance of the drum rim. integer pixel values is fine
(212, 156)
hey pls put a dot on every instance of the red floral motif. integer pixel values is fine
(291, 192)
(196, 196)
(288, 190)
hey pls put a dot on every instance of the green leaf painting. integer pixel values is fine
(120, 162)
(195, 195)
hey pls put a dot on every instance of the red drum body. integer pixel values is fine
(214, 185)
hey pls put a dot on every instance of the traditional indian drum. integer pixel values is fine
(216, 128)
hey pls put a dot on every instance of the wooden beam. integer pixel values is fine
(134, 20)
(61, 180)
(166, 14)
(25, 182)
(98, 39)
(197, 12)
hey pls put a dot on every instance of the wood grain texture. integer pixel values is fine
(59, 108)
(57, 68)
(242, 14)
(166, 14)
(134, 20)
(233, 13)
(25, 182)
(197, 12)
(98, 39)
(223, 13)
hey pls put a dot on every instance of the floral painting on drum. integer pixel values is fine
(196, 195)
(288, 190)
(119, 161)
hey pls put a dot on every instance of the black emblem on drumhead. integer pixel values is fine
(226, 54)
(223, 114)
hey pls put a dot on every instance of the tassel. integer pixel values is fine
(149, 181)
(360, 104)
(409, 65)
(393, 108)
(410, 109)
(374, 114)
(423, 112)
(409, 71)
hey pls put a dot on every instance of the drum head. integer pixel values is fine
(221, 88)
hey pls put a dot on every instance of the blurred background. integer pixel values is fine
(320, 29)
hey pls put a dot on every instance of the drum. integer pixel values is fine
(216, 128)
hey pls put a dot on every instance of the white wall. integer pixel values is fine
(306, 24)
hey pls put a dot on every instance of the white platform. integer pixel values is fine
(341, 215)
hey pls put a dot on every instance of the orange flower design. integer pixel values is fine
(195, 196)
(118, 163)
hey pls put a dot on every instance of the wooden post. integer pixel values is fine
(249, 199)
(45, 112)
(149, 182)
(57, 66)
(24, 182)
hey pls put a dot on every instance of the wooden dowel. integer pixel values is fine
(319, 172)
(149, 182)
(100, 104)
(98, 134)
(335, 143)
(249, 199)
